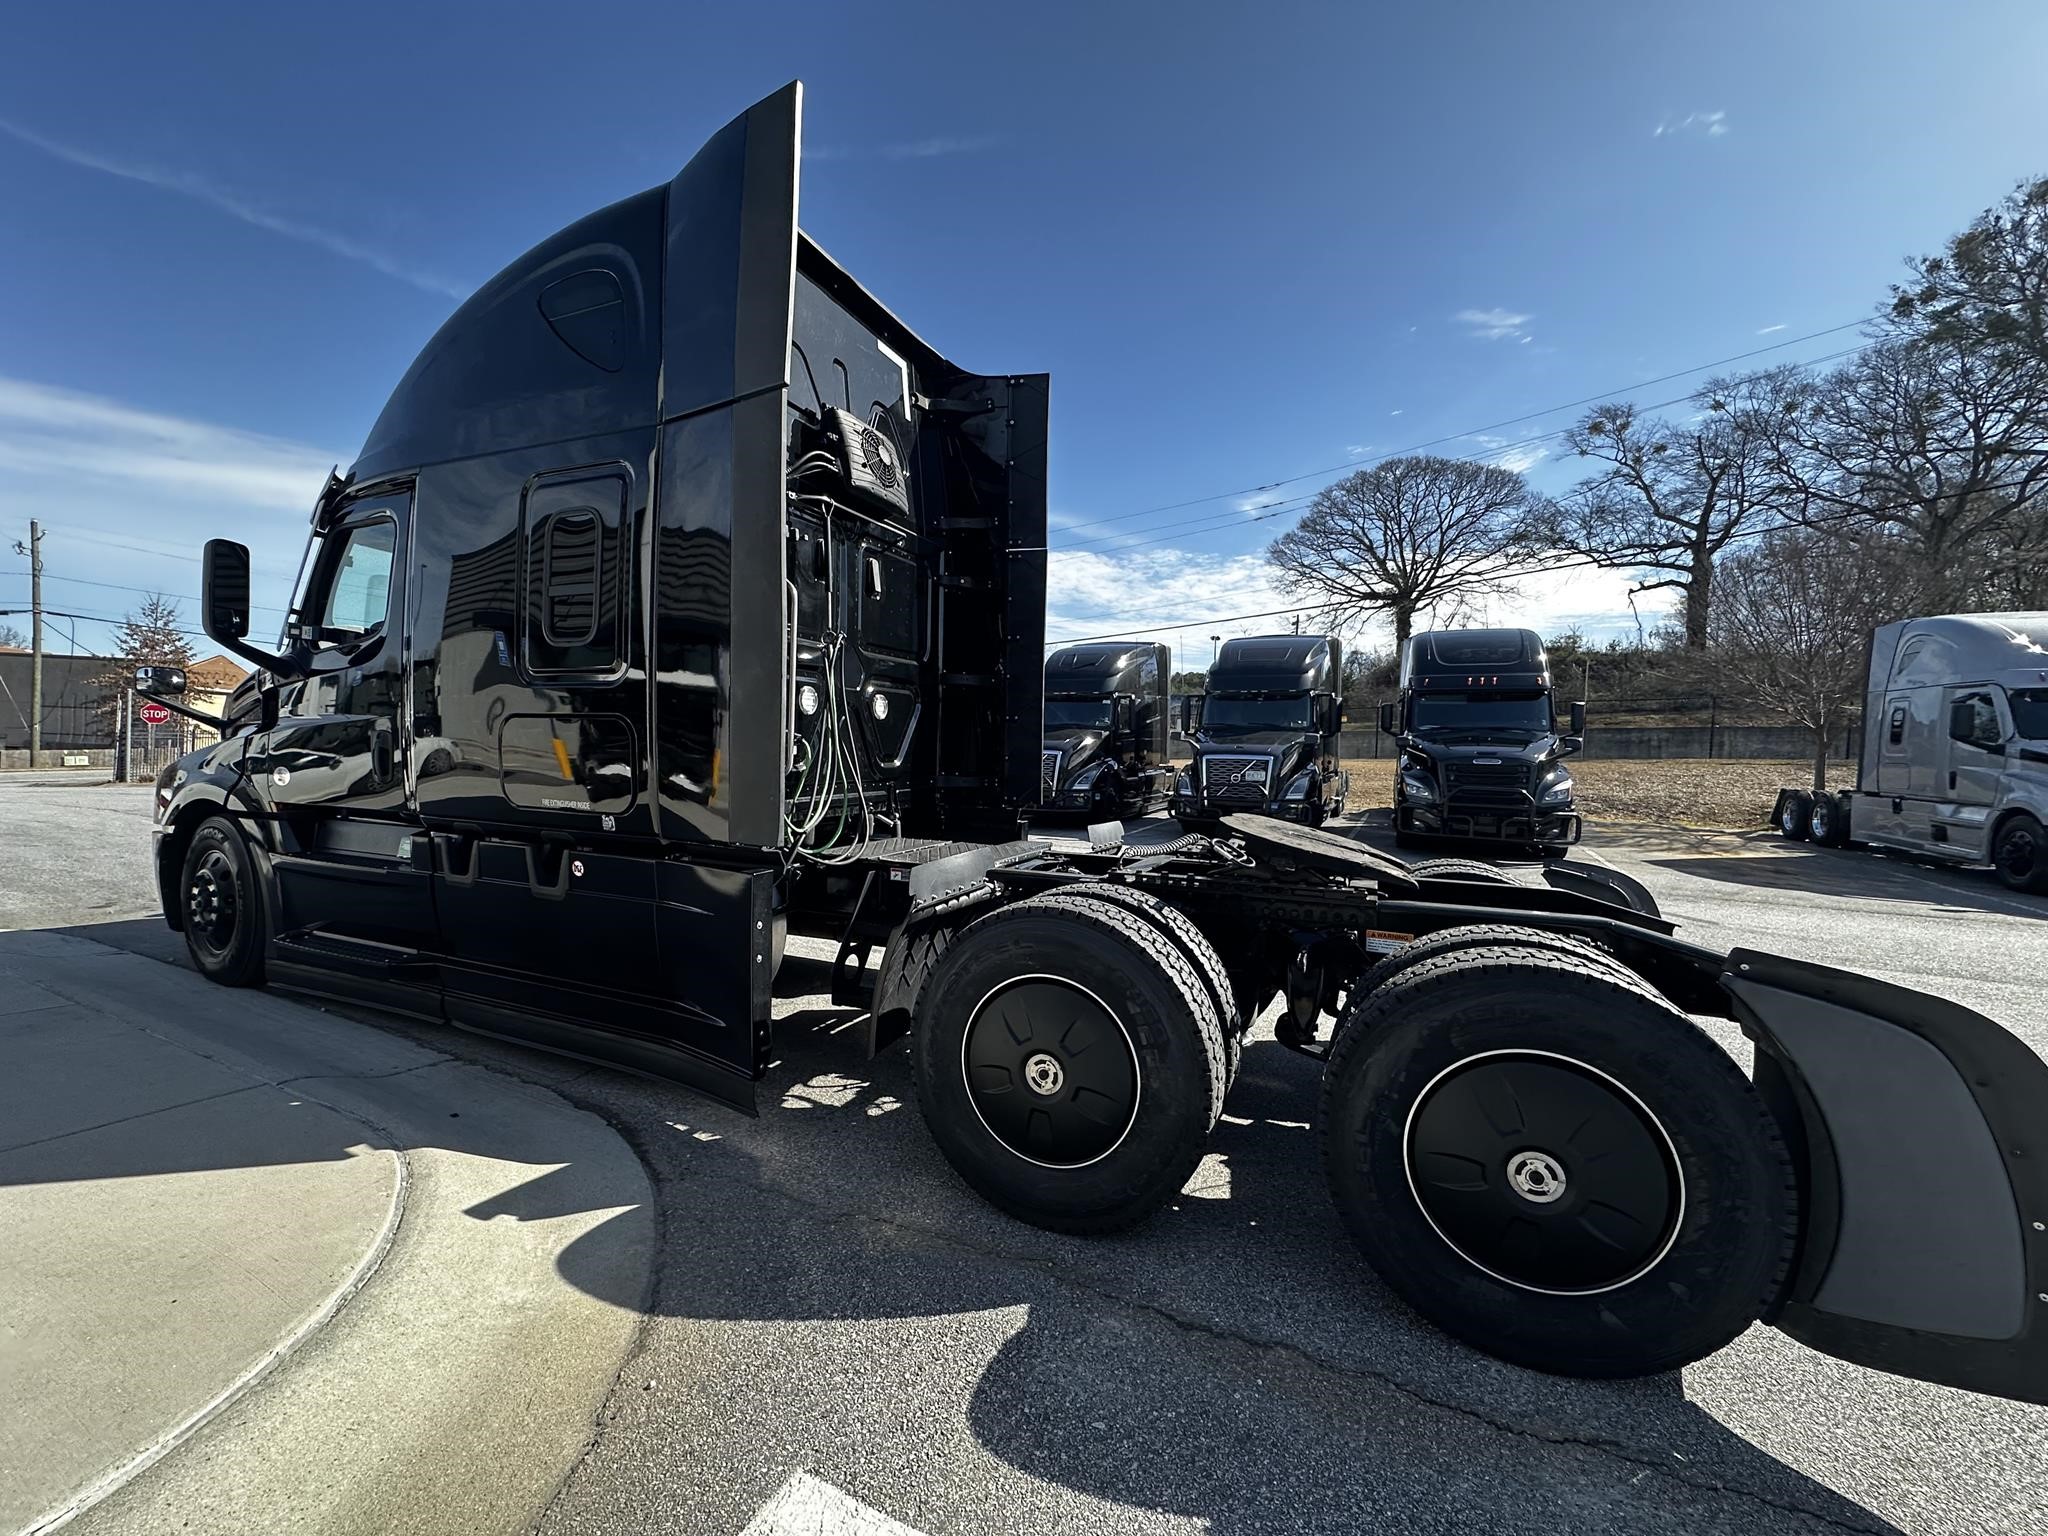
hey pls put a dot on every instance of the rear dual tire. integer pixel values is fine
(1544, 1158)
(1070, 1062)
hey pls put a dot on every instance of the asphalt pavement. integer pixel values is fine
(841, 1337)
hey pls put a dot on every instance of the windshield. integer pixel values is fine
(1289, 712)
(1479, 712)
(1068, 714)
(2029, 712)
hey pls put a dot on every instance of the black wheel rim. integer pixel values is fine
(1544, 1172)
(2019, 854)
(1050, 1071)
(212, 903)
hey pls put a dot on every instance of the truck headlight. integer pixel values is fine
(1182, 784)
(1417, 788)
(1086, 778)
(1300, 786)
(1556, 790)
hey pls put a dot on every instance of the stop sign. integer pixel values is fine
(153, 713)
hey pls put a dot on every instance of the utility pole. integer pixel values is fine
(34, 551)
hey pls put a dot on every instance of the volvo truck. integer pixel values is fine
(1481, 746)
(683, 599)
(1954, 760)
(1263, 734)
(1107, 723)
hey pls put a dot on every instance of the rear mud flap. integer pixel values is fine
(1920, 1131)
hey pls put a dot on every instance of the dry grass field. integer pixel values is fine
(1680, 791)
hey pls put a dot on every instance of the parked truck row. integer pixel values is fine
(683, 599)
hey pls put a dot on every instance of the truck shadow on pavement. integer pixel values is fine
(1233, 1360)
(1803, 868)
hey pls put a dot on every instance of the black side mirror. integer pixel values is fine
(224, 591)
(1389, 718)
(224, 605)
(1567, 745)
(160, 682)
(1579, 719)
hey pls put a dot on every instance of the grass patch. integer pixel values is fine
(1735, 793)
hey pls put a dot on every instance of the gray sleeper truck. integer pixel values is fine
(1954, 762)
(683, 598)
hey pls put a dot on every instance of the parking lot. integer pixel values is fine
(830, 1300)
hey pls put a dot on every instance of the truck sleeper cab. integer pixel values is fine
(1954, 758)
(1107, 717)
(1481, 755)
(1266, 733)
(683, 599)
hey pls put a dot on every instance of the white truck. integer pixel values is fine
(1954, 763)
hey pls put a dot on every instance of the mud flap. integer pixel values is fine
(1919, 1132)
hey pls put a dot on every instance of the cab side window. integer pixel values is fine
(1973, 718)
(359, 592)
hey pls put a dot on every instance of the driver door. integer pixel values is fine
(350, 871)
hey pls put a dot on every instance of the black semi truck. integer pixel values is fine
(682, 599)
(1107, 722)
(1482, 751)
(1265, 738)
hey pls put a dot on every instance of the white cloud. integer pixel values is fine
(1198, 595)
(1711, 124)
(1258, 501)
(1769, 330)
(906, 149)
(1396, 413)
(200, 190)
(1516, 454)
(1493, 324)
(128, 497)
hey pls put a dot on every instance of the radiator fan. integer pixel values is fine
(874, 468)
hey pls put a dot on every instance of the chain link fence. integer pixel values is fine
(1660, 726)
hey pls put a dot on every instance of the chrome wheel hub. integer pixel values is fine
(1043, 1075)
(1536, 1176)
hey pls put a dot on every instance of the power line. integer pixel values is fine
(1512, 421)
(1222, 523)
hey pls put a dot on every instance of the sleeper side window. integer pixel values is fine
(572, 624)
(1898, 727)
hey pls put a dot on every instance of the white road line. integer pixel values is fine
(809, 1506)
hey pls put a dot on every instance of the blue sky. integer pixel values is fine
(1247, 242)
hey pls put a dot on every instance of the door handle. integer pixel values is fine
(1951, 778)
(381, 754)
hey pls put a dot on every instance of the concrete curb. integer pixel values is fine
(456, 1376)
(178, 1434)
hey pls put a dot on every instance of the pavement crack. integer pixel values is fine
(1301, 1358)
(140, 1114)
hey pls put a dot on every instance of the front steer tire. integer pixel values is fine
(1069, 1063)
(1658, 1218)
(222, 905)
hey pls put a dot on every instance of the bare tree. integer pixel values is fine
(1989, 287)
(10, 636)
(1403, 536)
(149, 636)
(1671, 497)
(1933, 440)
(1791, 626)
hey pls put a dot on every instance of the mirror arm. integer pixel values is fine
(187, 711)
